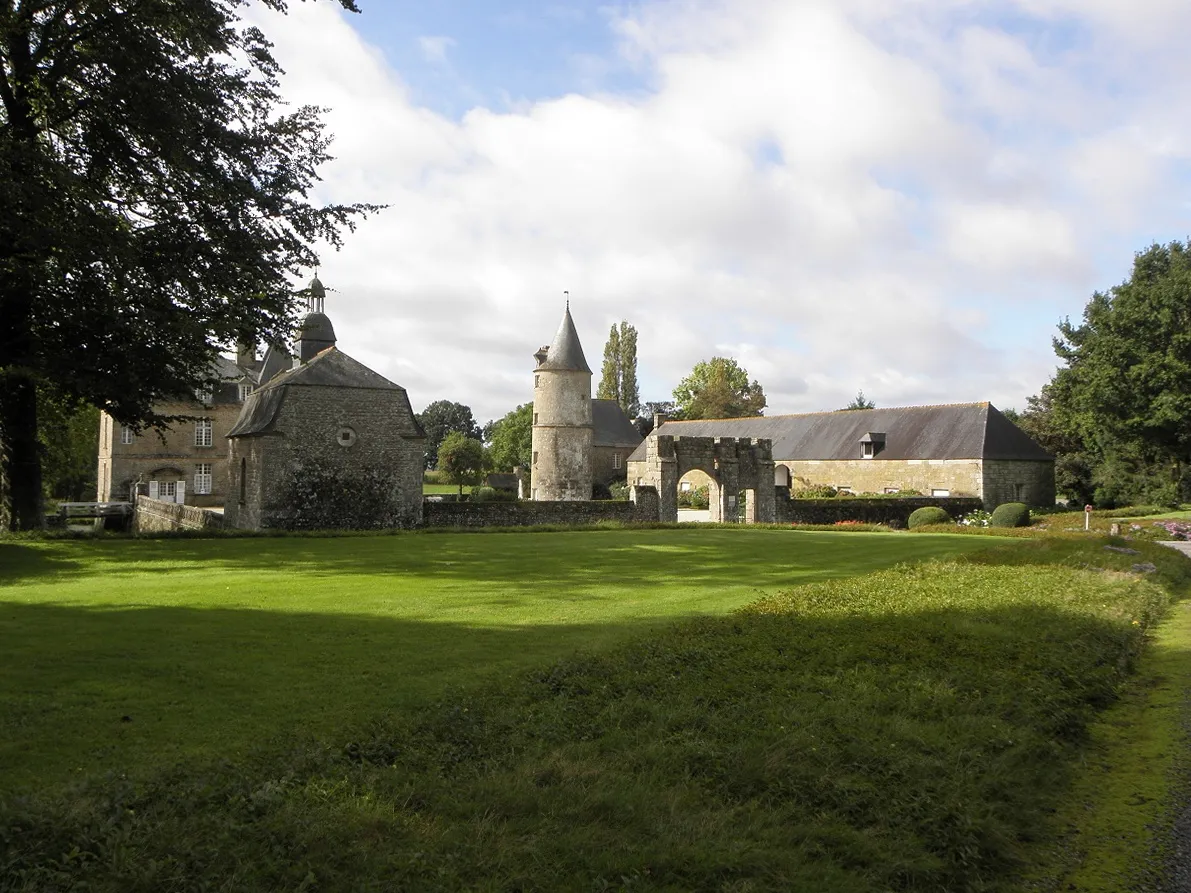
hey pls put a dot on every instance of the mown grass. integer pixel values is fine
(126, 655)
(912, 729)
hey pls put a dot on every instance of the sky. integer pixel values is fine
(901, 198)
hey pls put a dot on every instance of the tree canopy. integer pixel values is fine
(511, 439)
(439, 419)
(860, 402)
(718, 388)
(154, 208)
(618, 377)
(1120, 406)
(461, 459)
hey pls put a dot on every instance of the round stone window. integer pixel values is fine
(346, 436)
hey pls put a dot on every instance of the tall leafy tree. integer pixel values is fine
(439, 419)
(511, 439)
(154, 208)
(618, 375)
(718, 388)
(1123, 388)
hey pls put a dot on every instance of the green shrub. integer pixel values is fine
(619, 490)
(1010, 514)
(817, 491)
(928, 514)
(695, 498)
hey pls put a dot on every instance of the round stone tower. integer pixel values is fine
(561, 468)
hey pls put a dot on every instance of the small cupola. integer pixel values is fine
(871, 444)
(317, 333)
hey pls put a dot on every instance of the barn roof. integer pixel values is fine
(953, 431)
(611, 426)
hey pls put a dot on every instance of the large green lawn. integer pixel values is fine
(122, 655)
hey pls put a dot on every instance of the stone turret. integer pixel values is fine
(562, 428)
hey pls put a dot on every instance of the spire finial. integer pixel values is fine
(567, 295)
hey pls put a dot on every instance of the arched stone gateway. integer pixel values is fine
(734, 465)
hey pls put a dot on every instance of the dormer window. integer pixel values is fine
(871, 444)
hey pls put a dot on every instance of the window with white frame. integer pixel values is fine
(936, 491)
(205, 396)
(202, 433)
(616, 461)
(126, 435)
(245, 390)
(202, 477)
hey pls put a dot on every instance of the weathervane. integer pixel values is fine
(567, 295)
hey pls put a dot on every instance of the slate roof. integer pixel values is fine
(953, 431)
(565, 353)
(611, 427)
(330, 369)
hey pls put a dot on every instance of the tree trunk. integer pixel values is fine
(20, 452)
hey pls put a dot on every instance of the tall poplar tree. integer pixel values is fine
(618, 376)
(153, 209)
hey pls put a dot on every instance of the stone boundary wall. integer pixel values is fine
(894, 511)
(155, 516)
(528, 514)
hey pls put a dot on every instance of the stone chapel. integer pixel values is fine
(324, 441)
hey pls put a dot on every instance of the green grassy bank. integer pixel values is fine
(913, 729)
(120, 655)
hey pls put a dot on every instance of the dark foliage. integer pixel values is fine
(439, 419)
(153, 208)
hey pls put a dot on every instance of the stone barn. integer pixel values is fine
(328, 443)
(966, 449)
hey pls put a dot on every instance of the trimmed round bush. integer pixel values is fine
(928, 514)
(1010, 514)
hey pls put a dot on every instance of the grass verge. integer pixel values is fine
(912, 729)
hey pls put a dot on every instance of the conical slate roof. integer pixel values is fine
(566, 353)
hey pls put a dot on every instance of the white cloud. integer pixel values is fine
(846, 195)
(434, 48)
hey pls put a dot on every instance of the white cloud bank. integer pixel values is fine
(902, 198)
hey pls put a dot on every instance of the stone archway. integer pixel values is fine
(735, 465)
(781, 476)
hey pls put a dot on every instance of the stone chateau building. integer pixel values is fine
(967, 449)
(188, 463)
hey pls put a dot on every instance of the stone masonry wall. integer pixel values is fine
(894, 512)
(155, 516)
(120, 463)
(962, 477)
(1018, 481)
(375, 482)
(308, 479)
(528, 514)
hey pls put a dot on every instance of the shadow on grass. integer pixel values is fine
(86, 690)
(803, 747)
